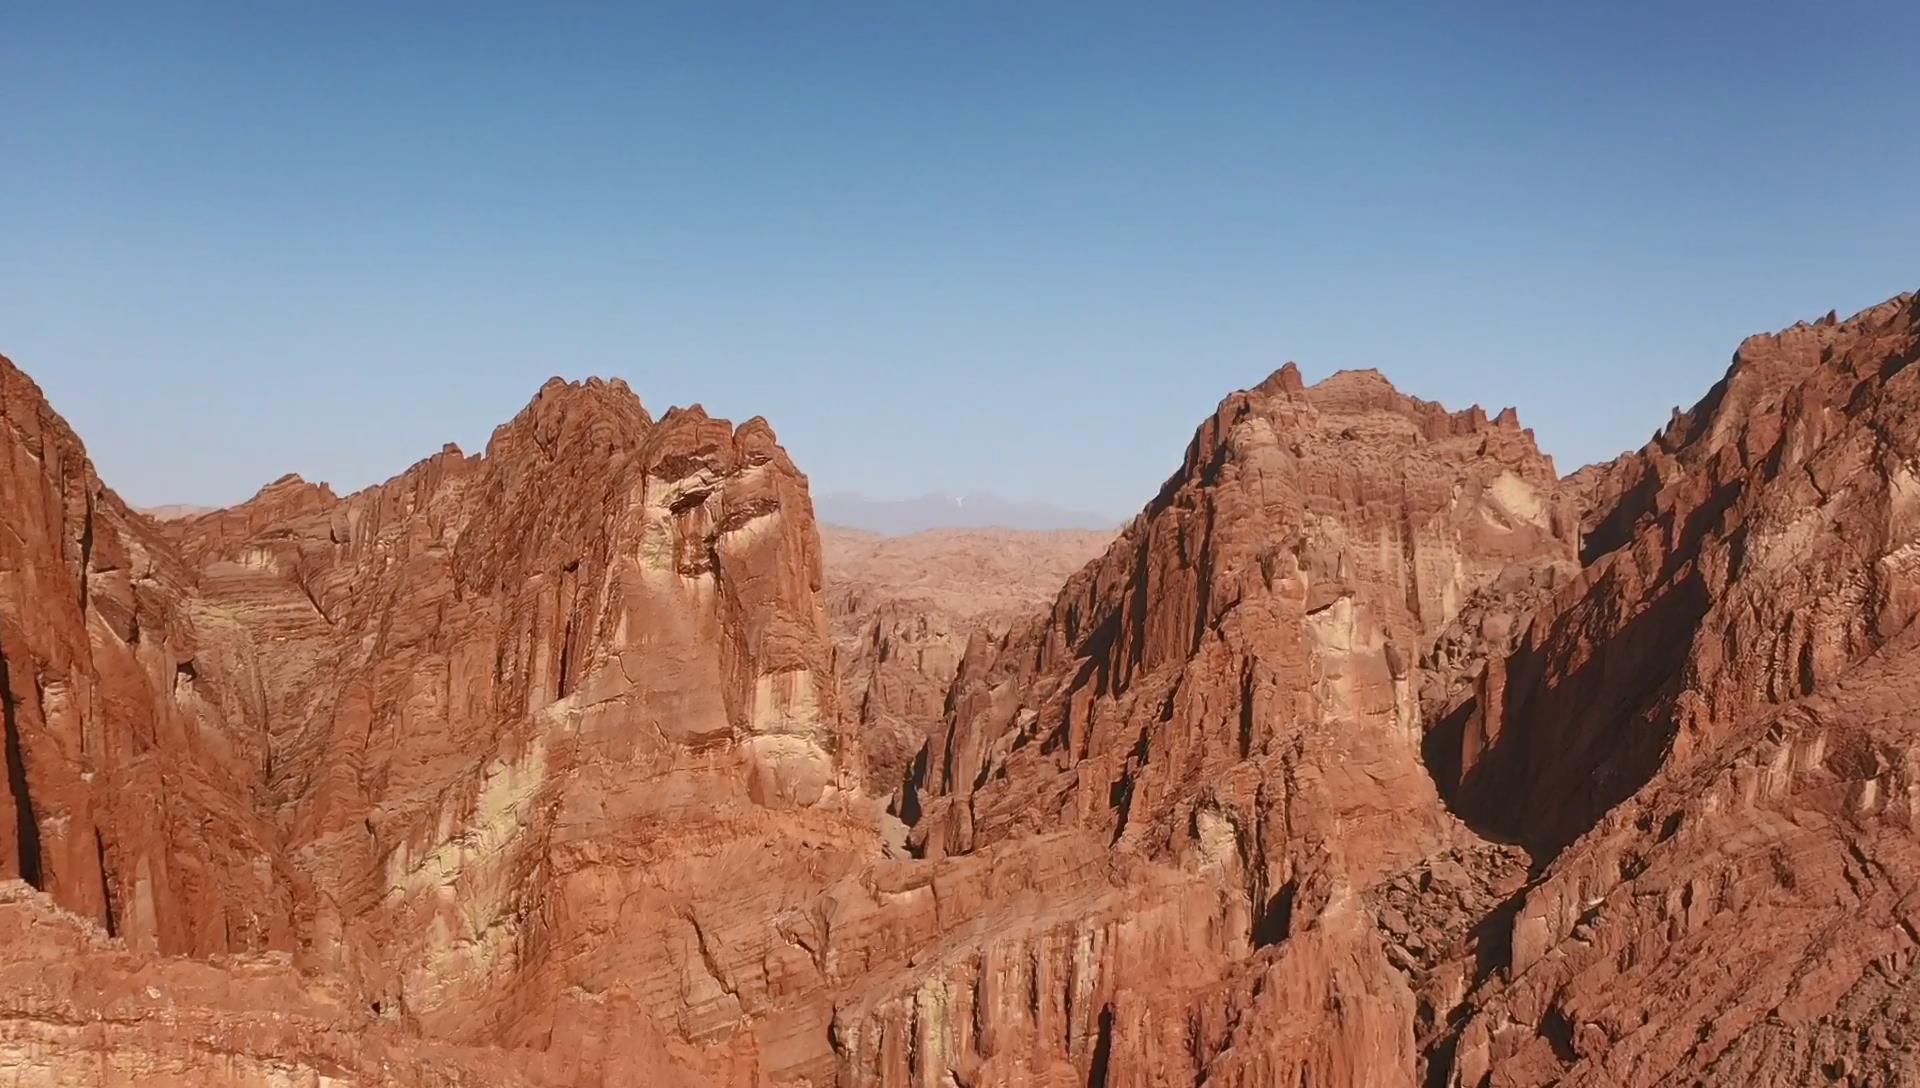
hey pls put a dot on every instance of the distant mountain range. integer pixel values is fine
(939, 510)
(175, 512)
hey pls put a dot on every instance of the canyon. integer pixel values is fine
(902, 609)
(1372, 752)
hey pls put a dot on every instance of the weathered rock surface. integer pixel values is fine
(901, 609)
(1713, 727)
(475, 744)
(536, 714)
(1232, 694)
(1370, 753)
(79, 1007)
(134, 764)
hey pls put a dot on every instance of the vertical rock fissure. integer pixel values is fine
(1246, 709)
(563, 686)
(569, 601)
(26, 825)
(86, 551)
(1275, 923)
(1410, 549)
(106, 885)
(1099, 1068)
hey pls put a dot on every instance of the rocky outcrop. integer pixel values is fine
(78, 1006)
(1230, 699)
(133, 761)
(1289, 577)
(1715, 721)
(526, 705)
(1370, 753)
(1751, 551)
(448, 740)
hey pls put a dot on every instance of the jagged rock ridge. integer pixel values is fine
(1370, 753)
(1712, 731)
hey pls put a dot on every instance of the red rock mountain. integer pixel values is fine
(1227, 706)
(1371, 753)
(1711, 734)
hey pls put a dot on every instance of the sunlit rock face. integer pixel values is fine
(1369, 753)
(473, 742)
(1712, 733)
(1227, 709)
(537, 694)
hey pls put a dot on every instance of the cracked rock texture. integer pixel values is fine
(1229, 700)
(1708, 738)
(1371, 753)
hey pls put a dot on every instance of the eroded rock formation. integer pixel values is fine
(476, 743)
(135, 766)
(902, 608)
(1228, 704)
(1712, 730)
(1370, 753)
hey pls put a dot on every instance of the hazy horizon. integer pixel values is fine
(982, 249)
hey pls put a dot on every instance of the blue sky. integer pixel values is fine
(1007, 247)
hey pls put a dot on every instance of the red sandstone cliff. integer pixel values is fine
(1734, 672)
(534, 768)
(1227, 706)
(134, 762)
(476, 743)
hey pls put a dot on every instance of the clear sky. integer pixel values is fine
(1020, 248)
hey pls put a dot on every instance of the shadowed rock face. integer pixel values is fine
(1370, 753)
(1749, 553)
(1734, 674)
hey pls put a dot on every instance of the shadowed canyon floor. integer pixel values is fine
(1371, 752)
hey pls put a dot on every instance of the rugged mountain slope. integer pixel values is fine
(136, 820)
(1227, 704)
(902, 608)
(476, 744)
(532, 713)
(1370, 753)
(132, 773)
(1737, 663)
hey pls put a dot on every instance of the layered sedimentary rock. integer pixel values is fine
(550, 753)
(1227, 704)
(78, 1006)
(1370, 753)
(530, 709)
(902, 608)
(1290, 576)
(133, 762)
(1737, 665)
(475, 744)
